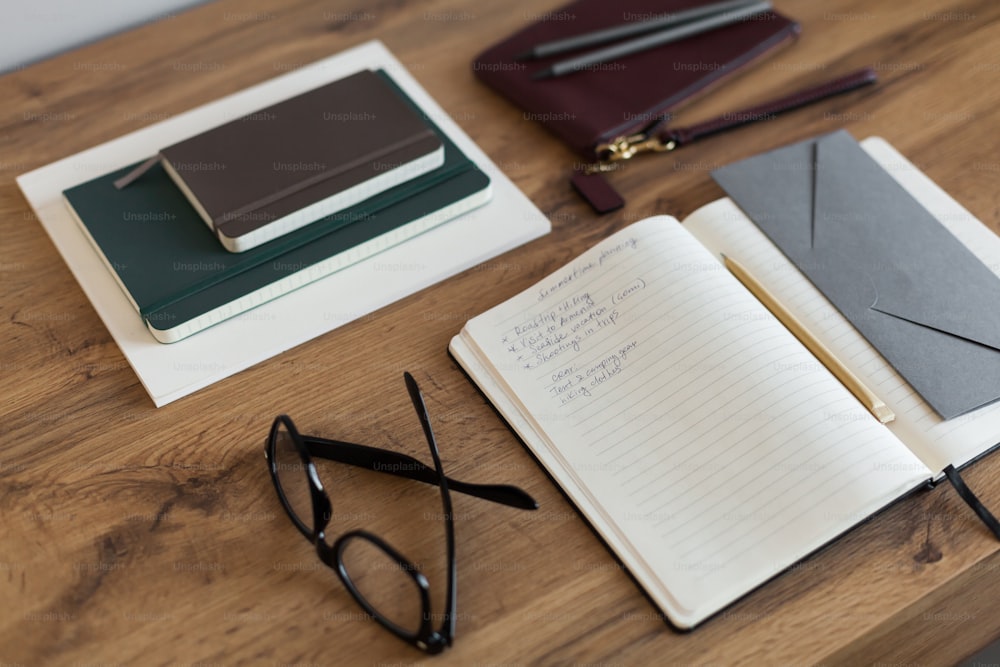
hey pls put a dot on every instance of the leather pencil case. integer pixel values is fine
(594, 106)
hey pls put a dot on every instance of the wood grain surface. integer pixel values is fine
(131, 535)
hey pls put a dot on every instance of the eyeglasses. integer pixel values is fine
(399, 603)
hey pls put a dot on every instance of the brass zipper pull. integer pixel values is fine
(624, 148)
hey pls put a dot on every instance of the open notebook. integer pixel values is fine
(702, 440)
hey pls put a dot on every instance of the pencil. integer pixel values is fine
(873, 403)
(652, 40)
(665, 20)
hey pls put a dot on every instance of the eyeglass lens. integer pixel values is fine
(293, 477)
(384, 583)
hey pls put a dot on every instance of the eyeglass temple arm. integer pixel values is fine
(401, 465)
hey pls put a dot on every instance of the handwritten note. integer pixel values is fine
(568, 329)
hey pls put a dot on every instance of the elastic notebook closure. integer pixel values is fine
(970, 498)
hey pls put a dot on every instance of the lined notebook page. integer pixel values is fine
(722, 227)
(716, 448)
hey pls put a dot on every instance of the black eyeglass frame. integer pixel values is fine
(426, 638)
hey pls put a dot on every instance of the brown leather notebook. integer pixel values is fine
(290, 164)
(620, 97)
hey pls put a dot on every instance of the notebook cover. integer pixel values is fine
(610, 99)
(251, 171)
(174, 269)
(394, 216)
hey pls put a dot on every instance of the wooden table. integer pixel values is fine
(142, 536)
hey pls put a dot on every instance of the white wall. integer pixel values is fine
(31, 30)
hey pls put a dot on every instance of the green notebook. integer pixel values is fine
(181, 280)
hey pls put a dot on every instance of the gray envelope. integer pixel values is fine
(926, 303)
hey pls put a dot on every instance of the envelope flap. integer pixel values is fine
(920, 271)
(973, 314)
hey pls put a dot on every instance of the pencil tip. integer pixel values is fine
(542, 74)
(526, 55)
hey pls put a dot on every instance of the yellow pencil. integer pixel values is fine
(874, 404)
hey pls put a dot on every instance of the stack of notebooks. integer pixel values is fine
(190, 245)
(245, 212)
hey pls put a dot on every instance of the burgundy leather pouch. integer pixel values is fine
(616, 98)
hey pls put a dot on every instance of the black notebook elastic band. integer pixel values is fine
(972, 501)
